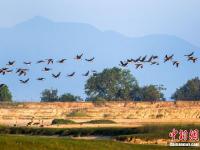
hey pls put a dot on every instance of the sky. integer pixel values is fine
(130, 17)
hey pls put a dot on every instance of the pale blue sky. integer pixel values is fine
(130, 17)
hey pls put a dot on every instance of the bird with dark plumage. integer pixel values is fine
(24, 81)
(22, 71)
(40, 79)
(56, 75)
(40, 61)
(61, 61)
(154, 63)
(176, 63)
(10, 63)
(123, 64)
(152, 58)
(192, 58)
(189, 55)
(87, 73)
(139, 66)
(138, 59)
(27, 63)
(143, 58)
(130, 60)
(49, 61)
(46, 69)
(3, 71)
(149, 60)
(71, 75)
(94, 71)
(78, 57)
(168, 58)
(90, 60)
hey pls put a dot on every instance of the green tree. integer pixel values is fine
(49, 95)
(151, 93)
(111, 84)
(5, 94)
(189, 91)
(69, 98)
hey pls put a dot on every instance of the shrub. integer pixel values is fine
(63, 121)
(101, 122)
(77, 114)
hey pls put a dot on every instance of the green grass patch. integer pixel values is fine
(46, 143)
(100, 122)
(77, 114)
(63, 121)
(107, 131)
(149, 132)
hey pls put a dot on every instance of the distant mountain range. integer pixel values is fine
(40, 38)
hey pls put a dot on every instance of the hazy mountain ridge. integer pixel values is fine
(40, 38)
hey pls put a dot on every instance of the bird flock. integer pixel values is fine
(138, 62)
(154, 60)
(24, 71)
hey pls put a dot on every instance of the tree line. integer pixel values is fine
(116, 84)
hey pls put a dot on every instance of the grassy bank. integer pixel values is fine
(162, 131)
(69, 131)
(145, 132)
(46, 143)
(68, 121)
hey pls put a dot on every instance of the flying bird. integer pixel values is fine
(27, 63)
(56, 75)
(131, 60)
(143, 58)
(46, 69)
(94, 71)
(10, 63)
(49, 61)
(40, 61)
(40, 79)
(193, 59)
(138, 59)
(3, 71)
(71, 75)
(154, 63)
(21, 71)
(167, 58)
(18, 70)
(78, 57)
(152, 58)
(176, 63)
(123, 64)
(139, 66)
(61, 61)
(9, 71)
(86, 74)
(189, 55)
(24, 81)
(90, 60)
